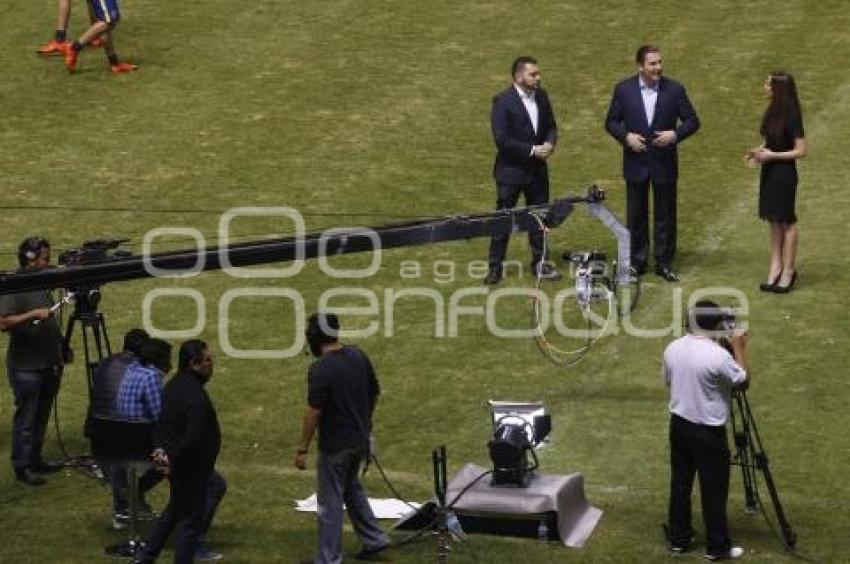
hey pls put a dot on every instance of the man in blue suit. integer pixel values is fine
(650, 115)
(525, 133)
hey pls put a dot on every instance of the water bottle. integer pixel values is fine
(453, 525)
(543, 531)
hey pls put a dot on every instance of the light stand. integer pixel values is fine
(438, 459)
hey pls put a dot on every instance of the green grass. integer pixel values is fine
(360, 112)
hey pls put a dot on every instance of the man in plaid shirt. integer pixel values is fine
(140, 394)
(140, 399)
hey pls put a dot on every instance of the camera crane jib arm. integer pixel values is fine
(341, 241)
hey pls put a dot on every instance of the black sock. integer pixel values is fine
(60, 35)
(77, 46)
(113, 59)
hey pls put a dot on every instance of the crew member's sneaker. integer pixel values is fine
(680, 546)
(493, 277)
(120, 520)
(45, 467)
(734, 552)
(29, 477)
(53, 47)
(124, 67)
(206, 553)
(370, 553)
(667, 273)
(71, 55)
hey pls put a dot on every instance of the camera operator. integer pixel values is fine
(34, 361)
(701, 374)
(342, 393)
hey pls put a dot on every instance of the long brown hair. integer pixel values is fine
(784, 105)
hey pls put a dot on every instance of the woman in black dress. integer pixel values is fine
(784, 143)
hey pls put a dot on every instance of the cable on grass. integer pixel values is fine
(557, 355)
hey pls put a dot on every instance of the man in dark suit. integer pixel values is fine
(650, 115)
(525, 134)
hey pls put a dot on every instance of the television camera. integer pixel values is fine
(591, 273)
(87, 296)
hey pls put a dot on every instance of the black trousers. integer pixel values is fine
(664, 221)
(702, 450)
(34, 392)
(191, 508)
(508, 195)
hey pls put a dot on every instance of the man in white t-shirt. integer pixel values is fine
(701, 375)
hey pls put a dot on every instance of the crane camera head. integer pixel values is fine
(94, 251)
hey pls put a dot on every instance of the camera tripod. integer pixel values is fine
(93, 330)
(750, 456)
(96, 347)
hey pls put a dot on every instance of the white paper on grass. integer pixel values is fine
(388, 508)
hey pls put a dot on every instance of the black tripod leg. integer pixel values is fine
(101, 337)
(762, 464)
(66, 343)
(87, 359)
(749, 476)
(787, 533)
(743, 452)
(102, 324)
(95, 324)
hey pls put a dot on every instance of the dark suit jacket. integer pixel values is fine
(106, 381)
(673, 111)
(188, 428)
(514, 136)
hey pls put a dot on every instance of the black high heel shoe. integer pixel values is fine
(770, 286)
(785, 289)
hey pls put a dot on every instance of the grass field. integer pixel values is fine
(366, 112)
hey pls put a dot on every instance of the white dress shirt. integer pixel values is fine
(650, 97)
(530, 104)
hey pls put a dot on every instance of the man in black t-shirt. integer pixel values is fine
(342, 393)
(34, 364)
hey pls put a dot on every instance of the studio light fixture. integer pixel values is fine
(518, 428)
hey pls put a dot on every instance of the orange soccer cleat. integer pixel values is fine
(123, 67)
(71, 55)
(53, 47)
